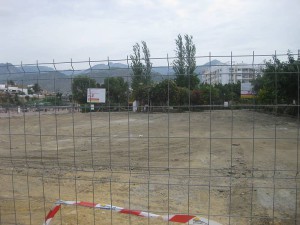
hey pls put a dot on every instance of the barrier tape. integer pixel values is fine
(179, 218)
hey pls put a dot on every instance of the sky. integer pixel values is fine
(44, 30)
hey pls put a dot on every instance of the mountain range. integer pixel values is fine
(51, 79)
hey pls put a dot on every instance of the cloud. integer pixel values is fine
(73, 28)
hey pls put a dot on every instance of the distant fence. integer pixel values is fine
(165, 154)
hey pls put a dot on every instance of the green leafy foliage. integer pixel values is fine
(164, 93)
(116, 90)
(55, 100)
(36, 88)
(141, 68)
(167, 93)
(80, 85)
(10, 99)
(183, 96)
(185, 63)
(209, 94)
(279, 83)
(196, 97)
(179, 62)
(229, 92)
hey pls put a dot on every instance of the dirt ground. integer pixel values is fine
(234, 167)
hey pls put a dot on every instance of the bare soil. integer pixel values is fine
(234, 167)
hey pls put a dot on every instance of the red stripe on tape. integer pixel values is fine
(181, 218)
(86, 204)
(52, 212)
(133, 212)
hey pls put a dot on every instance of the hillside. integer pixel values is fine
(48, 80)
(52, 80)
(8, 68)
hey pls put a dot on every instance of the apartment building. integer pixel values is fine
(224, 74)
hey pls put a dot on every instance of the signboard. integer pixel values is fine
(96, 95)
(247, 90)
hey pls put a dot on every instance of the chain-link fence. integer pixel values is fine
(221, 147)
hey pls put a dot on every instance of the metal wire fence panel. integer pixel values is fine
(224, 152)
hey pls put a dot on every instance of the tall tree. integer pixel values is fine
(141, 78)
(79, 88)
(185, 63)
(148, 64)
(190, 53)
(179, 62)
(137, 67)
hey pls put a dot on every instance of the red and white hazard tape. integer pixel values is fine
(180, 218)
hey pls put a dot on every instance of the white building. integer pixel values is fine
(225, 74)
(13, 89)
(216, 75)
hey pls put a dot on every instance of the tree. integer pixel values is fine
(148, 64)
(190, 53)
(229, 92)
(208, 95)
(59, 95)
(116, 89)
(185, 63)
(164, 92)
(80, 85)
(36, 88)
(196, 97)
(183, 96)
(141, 78)
(279, 83)
(53, 100)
